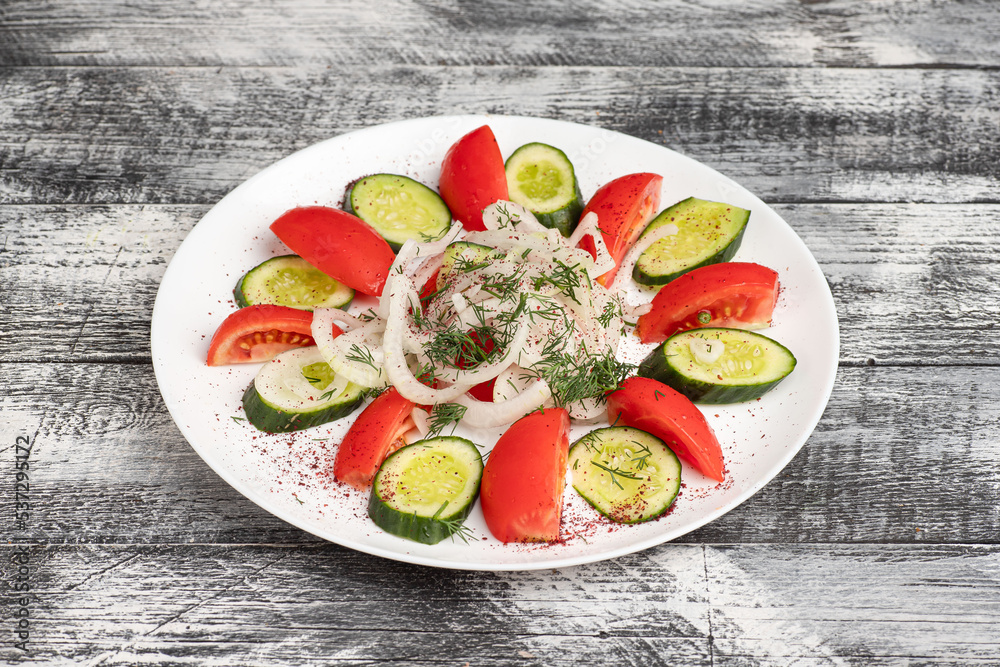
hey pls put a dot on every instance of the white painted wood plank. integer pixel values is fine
(679, 603)
(190, 135)
(352, 32)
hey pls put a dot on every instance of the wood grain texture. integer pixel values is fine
(675, 604)
(891, 461)
(190, 135)
(913, 284)
(501, 32)
(874, 129)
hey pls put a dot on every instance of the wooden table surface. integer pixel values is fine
(873, 128)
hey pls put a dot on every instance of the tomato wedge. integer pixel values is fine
(738, 295)
(522, 487)
(260, 333)
(473, 177)
(377, 432)
(652, 406)
(339, 244)
(623, 207)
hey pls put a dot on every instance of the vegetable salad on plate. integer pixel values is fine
(502, 300)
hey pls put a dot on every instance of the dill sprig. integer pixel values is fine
(574, 378)
(453, 346)
(368, 315)
(616, 473)
(612, 309)
(361, 355)
(444, 414)
(372, 392)
(507, 218)
(641, 459)
(455, 525)
(463, 264)
(565, 278)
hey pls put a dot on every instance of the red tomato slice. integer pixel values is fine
(429, 289)
(522, 487)
(377, 432)
(483, 391)
(623, 208)
(339, 244)
(473, 177)
(259, 333)
(738, 295)
(654, 407)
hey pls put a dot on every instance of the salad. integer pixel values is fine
(501, 302)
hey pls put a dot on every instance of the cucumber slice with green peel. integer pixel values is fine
(399, 208)
(708, 232)
(462, 256)
(716, 365)
(627, 475)
(291, 281)
(297, 390)
(541, 178)
(426, 490)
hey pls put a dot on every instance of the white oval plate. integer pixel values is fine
(289, 475)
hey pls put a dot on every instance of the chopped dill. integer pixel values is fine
(361, 355)
(616, 473)
(455, 525)
(574, 378)
(641, 459)
(444, 414)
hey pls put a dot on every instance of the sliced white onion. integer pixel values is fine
(407, 253)
(335, 349)
(510, 383)
(353, 344)
(427, 269)
(346, 321)
(438, 247)
(646, 240)
(587, 410)
(421, 420)
(509, 215)
(480, 414)
(633, 312)
(505, 240)
(587, 225)
(459, 302)
(400, 294)
(323, 322)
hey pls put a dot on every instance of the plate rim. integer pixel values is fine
(242, 487)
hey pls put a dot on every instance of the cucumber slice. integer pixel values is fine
(424, 491)
(291, 281)
(466, 255)
(541, 178)
(293, 391)
(398, 208)
(716, 365)
(708, 232)
(628, 475)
